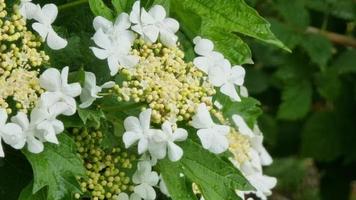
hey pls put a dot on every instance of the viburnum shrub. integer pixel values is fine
(149, 106)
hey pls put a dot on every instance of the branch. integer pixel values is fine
(334, 37)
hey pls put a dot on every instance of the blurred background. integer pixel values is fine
(308, 97)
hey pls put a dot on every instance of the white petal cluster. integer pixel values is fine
(90, 89)
(158, 143)
(145, 179)
(252, 169)
(44, 18)
(114, 42)
(219, 70)
(154, 24)
(11, 133)
(212, 136)
(43, 125)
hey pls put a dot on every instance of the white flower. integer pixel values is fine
(219, 70)
(28, 9)
(124, 196)
(262, 183)
(257, 144)
(208, 58)
(45, 16)
(242, 126)
(45, 123)
(90, 90)
(212, 136)
(146, 179)
(163, 187)
(117, 52)
(226, 77)
(11, 133)
(163, 142)
(117, 29)
(33, 144)
(138, 129)
(59, 93)
(153, 24)
(255, 137)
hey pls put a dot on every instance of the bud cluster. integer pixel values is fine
(20, 59)
(106, 170)
(171, 87)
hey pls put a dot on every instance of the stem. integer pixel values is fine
(335, 38)
(72, 4)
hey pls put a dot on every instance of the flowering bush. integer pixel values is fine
(170, 118)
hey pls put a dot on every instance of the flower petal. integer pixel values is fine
(175, 153)
(113, 62)
(34, 145)
(3, 117)
(151, 32)
(128, 61)
(145, 191)
(21, 119)
(54, 41)
(129, 138)
(13, 135)
(122, 22)
(41, 29)
(157, 12)
(135, 13)
(102, 40)
(142, 145)
(50, 12)
(145, 119)
(242, 126)
(202, 118)
(50, 80)
(171, 24)
(100, 22)
(237, 75)
(202, 63)
(203, 46)
(230, 90)
(180, 135)
(168, 38)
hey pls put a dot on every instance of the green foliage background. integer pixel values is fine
(308, 96)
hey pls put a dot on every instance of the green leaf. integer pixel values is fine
(345, 62)
(236, 50)
(294, 13)
(178, 186)
(93, 115)
(321, 137)
(99, 8)
(344, 9)
(119, 5)
(234, 17)
(216, 178)
(55, 169)
(26, 193)
(286, 33)
(318, 48)
(248, 108)
(329, 84)
(296, 101)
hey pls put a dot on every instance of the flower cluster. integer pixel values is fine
(38, 100)
(44, 18)
(105, 169)
(171, 87)
(154, 73)
(218, 69)
(20, 59)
